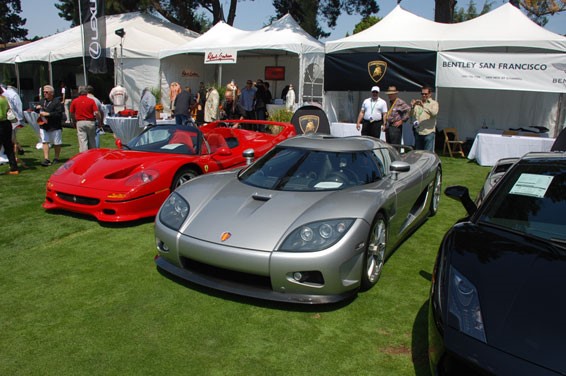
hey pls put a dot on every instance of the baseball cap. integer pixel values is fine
(375, 88)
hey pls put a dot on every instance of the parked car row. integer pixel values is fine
(314, 219)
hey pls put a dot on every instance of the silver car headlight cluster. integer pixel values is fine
(174, 211)
(464, 304)
(316, 236)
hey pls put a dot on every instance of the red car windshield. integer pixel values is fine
(168, 139)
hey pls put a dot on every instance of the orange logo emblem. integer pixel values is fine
(377, 69)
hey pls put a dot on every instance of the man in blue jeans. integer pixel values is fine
(424, 112)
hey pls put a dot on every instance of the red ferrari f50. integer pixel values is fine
(116, 185)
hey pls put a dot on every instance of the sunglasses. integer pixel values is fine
(425, 93)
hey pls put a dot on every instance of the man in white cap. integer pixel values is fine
(371, 114)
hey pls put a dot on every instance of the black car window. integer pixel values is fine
(530, 199)
(295, 169)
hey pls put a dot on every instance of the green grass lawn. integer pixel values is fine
(79, 297)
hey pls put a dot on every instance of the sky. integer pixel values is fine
(42, 18)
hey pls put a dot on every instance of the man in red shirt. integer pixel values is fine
(84, 113)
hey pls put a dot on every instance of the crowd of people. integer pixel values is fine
(377, 116)
(86, 113)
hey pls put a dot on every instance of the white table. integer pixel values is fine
(271, 108)
(124, 128)
(489, 148)
(347, 129)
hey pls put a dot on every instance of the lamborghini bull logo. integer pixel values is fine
(377, 69)
(309, 123)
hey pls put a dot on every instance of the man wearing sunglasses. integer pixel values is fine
(51, 109)
(424, 112)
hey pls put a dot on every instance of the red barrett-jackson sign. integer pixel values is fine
(221, 57)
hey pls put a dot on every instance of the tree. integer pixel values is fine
(444, 10)
(471, 12)
(537, 10)
(307, 12)
(181, 12)
(366, 23)
(11, 23)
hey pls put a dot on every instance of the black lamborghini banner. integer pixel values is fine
(360, 71)
(94, 34)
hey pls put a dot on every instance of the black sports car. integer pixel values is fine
(496, 302)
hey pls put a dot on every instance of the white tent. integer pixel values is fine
(505, 31)
(145, 36)
(283, 43)
(398, 30)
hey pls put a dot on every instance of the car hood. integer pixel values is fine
(520, 285)
(258, 218)
(105, 169)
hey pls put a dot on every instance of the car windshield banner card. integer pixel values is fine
(502, 71)
(94, 34)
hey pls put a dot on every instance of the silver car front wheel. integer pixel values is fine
(375, 253)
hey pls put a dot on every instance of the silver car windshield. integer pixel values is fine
(531, 199)
(295, 169)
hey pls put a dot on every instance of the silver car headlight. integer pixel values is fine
(464, 304)
(316, 236)
(174, 211)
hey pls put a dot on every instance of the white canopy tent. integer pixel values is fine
(145, 36)
(400, 30)
(283, 43)
(514, 82)
(504, 30)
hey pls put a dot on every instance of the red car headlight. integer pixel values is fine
(141, 178)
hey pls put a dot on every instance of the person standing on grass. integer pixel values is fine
(84, 114)
(424, 111)
(6, 134)
(50, 127)
(371, 114)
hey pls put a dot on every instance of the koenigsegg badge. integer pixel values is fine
(309, 123)
(377, 69)
(225, 236)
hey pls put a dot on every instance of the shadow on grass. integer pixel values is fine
(419, 347)
(57, 212)
(295, 307)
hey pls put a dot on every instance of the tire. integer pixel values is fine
(436, 193)
(374, 257)
(182, 176)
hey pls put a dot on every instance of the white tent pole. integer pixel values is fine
(50, 68)
(18, 77)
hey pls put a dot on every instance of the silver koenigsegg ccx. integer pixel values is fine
(312, 221)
